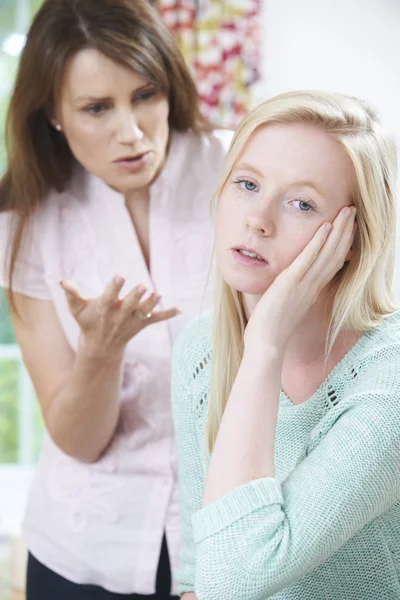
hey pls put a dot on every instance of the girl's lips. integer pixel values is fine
(248, 260)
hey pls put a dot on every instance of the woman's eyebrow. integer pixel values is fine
(92, 98)
(142, 88)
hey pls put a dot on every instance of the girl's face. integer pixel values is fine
(289, 179)
(115, 122)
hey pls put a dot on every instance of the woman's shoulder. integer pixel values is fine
(76, 188)
(199, 153)
(219, 139)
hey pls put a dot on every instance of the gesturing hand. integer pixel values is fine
(108, 322)
(287, 301)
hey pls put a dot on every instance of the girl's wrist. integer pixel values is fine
(263, 353)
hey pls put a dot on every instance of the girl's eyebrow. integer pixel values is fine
(310, 184)
(242, 166)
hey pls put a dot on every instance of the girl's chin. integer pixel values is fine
(255, 288)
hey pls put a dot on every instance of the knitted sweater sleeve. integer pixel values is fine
(264, 536)
(191, 474)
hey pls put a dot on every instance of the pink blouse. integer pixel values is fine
(103, 523)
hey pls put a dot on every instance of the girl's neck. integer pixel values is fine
(304, 364)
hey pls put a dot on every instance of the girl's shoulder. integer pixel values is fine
(371, 370)
(381, 344)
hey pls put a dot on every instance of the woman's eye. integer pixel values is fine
(246, 184)
(304, 206)
(146, 95)
(95, 109)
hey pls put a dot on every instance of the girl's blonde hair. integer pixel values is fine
(362, 289)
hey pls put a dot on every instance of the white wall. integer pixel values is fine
(349, 46)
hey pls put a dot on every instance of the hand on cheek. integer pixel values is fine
(287, 301)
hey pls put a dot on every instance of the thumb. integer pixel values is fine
(75, 301)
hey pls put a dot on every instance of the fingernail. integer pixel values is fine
(179, 311)
(328, 226)
(119, 280)
(142, 288)
(347, 212)
(156, 296)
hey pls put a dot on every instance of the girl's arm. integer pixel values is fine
(244, 449)
(255, 535)
(265, 535)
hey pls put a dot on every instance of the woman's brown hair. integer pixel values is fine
(131, 33)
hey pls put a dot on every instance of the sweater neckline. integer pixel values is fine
(355, 350)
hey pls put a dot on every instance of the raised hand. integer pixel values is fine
(287, 301)
(108, 322)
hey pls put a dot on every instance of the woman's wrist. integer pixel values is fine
(93, 351)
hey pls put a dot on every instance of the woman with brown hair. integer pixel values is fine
(110, 173)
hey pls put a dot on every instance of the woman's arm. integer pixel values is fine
(79, 393)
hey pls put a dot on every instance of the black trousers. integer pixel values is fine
(44, 584)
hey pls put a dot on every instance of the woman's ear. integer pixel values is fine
(56, 124)
(53, 118)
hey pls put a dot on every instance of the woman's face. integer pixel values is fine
(289, 179)
(115, 122)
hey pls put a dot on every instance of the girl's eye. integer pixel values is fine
(304, 206)
(246, 184)
(95, 109)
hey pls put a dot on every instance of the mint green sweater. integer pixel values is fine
(327, 527)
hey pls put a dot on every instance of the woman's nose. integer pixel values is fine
(129, 131)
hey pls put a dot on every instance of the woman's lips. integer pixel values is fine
(134, 164)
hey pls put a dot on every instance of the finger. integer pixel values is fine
(333, 255)
(75, 301)
(111, 293)
(163, 315)
(308, 256)
(147, 306)
(132, 300)
(347, 238)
